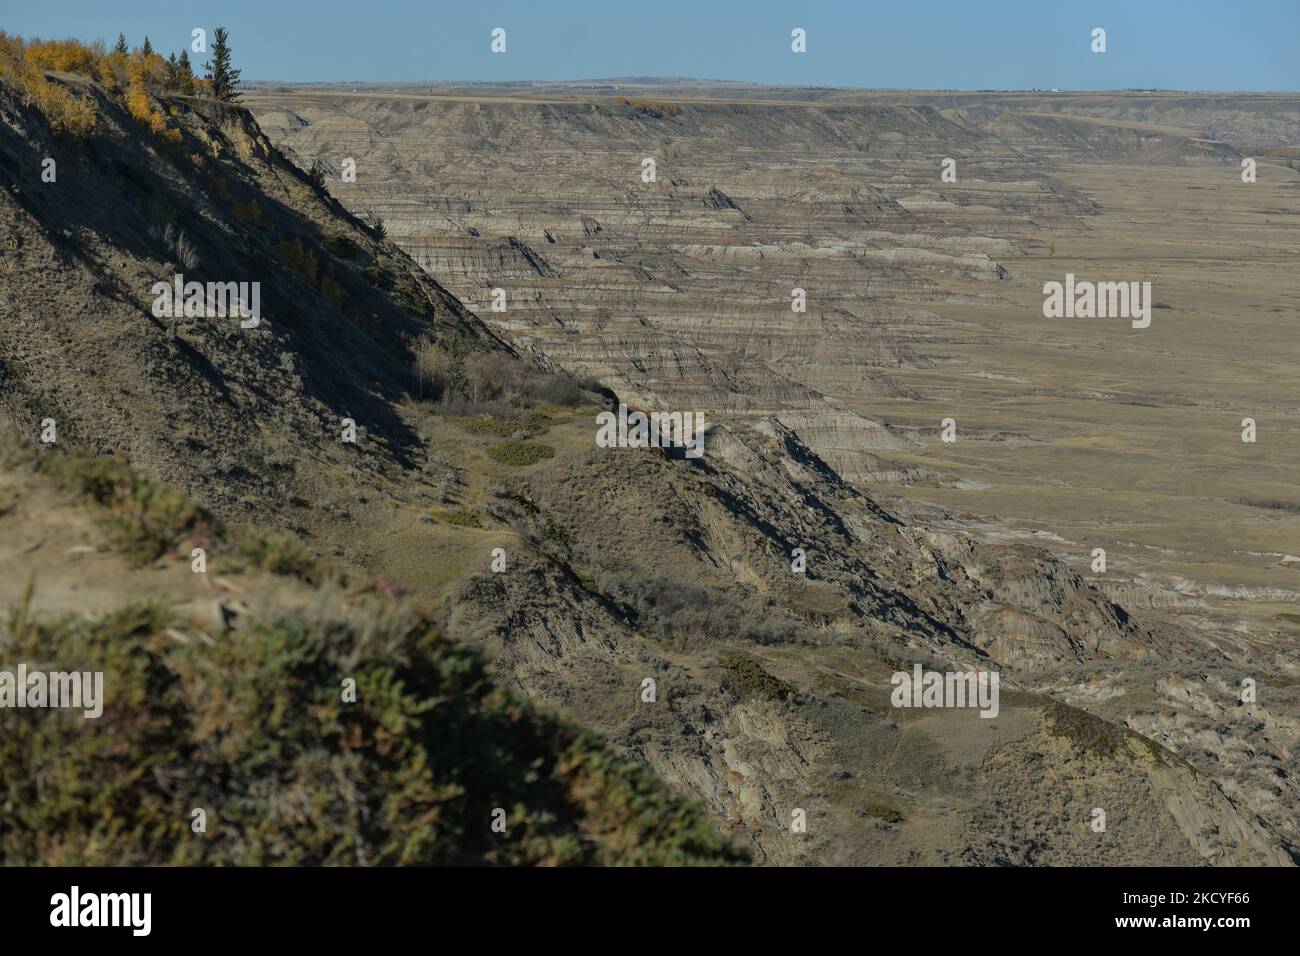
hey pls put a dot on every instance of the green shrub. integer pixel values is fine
(254, 730)
(883, 810)
(746, 677)
(520, 453)
(462, 518)
(526, 426)
(277, 553)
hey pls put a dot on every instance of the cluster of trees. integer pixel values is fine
(67, 114)
(136, 74)
(176, 74)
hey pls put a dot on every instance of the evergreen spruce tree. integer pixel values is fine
(185, 73)
(120, 46)
(223, 77)
(147, 48)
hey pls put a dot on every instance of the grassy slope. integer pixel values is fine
(251, 725)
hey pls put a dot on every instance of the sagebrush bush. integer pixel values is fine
(746, 677)
(527, 425)
(279, 553)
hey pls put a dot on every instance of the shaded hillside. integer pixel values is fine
(197, 399)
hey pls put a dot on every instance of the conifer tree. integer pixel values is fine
(223, 77)
(121, 46)
(185, 73)
(147, 48)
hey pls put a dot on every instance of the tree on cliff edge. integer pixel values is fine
(223, 77)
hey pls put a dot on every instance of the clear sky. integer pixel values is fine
(921, 44)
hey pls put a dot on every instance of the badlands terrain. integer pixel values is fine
(924, 303)
(395, 478)
(923, 297)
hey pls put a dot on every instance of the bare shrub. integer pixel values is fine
(432, 366)
(497, 376)
(177, 246)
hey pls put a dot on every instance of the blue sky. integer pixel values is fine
(939, 44)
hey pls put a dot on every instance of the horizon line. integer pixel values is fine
(608, 81)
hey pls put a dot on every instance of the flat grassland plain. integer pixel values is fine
(1131, 439)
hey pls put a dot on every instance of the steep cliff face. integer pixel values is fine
(767, 601)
